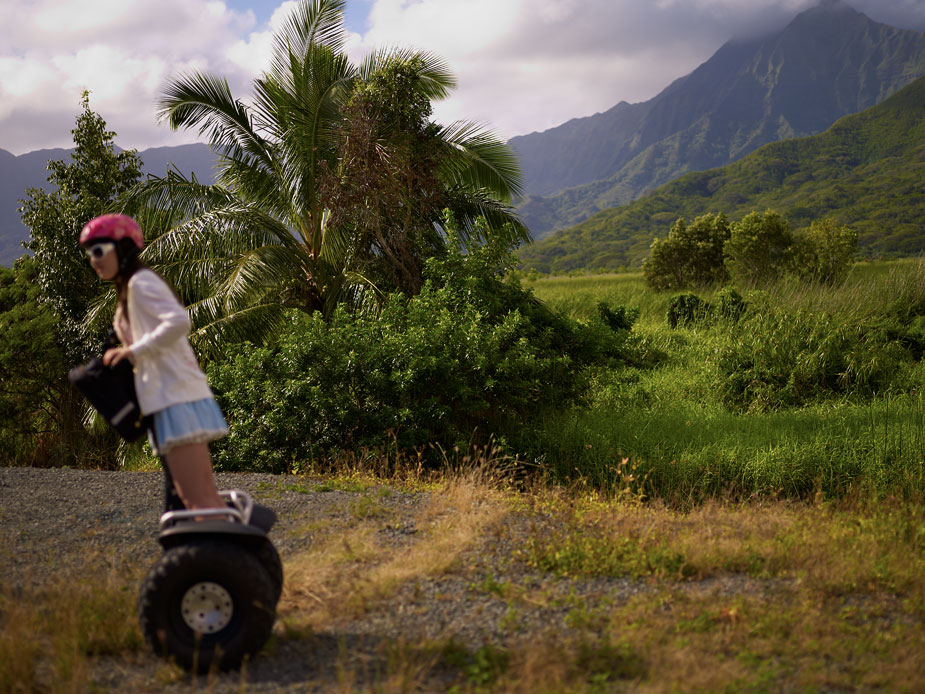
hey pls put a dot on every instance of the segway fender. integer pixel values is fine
(246, 535)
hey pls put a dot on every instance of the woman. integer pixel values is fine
(152, 326)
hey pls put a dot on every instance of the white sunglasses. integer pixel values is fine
(98, 250)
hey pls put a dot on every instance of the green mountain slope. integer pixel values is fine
(867, 171)
(829, 62)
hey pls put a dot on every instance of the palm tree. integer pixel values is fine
(265, 238)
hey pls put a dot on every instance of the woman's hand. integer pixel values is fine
(116, 354)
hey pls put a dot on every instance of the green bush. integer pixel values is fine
(759, 249)
(684, 309)
(775, 359)
(825, 251)
(691, 255)
(617, 318)
(730, 305)
(470, 357)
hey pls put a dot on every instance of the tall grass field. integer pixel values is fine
(810, 389)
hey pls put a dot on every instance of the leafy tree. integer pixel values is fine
(65, 283)
(29, 356)
(691, 255)
(760, 248)
(84, 188)
(825, 251)
(397, 173)
(302, 209)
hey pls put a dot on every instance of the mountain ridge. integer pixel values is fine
(867, 171)
(828, 62)
(18, 173)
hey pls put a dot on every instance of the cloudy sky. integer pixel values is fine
(522, 65)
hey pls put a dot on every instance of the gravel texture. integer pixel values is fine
(53, 519)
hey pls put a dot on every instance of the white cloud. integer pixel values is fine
(522, 65)
(120, 50)
(527, 65)
(254, 53)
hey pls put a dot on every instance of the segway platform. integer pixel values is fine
(210, 600)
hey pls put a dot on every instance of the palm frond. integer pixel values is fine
(202, 100)
(482, 217)
(99, 312)
(258, 273)
(436, 80)
(312, 23)
(172, 197)
(479, 159)
(305, 107)
(214, 329)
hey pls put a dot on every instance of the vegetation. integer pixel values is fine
(715, 490)
(491, 588)
(826, 251)
(466, 360)
(791, 390)
(43, 313)
(759, 249)
(691, 256)
(754, 251)
(29, 352)
(84, 188)
(865, 172)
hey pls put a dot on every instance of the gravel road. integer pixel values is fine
(53, 519)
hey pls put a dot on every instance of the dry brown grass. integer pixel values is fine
(352, 564)
(760, 596)
(822, 596)
(832, 548)
(51, 627)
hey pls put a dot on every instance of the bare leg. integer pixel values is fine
(172, 501)
(190, 466)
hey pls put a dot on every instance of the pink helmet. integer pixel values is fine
(114, 227)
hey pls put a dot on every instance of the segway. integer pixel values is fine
(210, 600)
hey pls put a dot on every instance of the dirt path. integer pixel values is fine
(386, 588)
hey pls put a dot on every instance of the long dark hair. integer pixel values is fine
(129, 264)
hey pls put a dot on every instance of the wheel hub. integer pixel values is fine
(207, 607)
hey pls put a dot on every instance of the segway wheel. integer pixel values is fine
(207, 604)
(273, 565)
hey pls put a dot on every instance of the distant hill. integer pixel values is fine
(18, 174)
(867, 171)
(830, 61)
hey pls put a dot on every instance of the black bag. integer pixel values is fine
(111, 391)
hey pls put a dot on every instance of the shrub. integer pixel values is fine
(684, 309)
(825, 251)
(730, 305)
(470, 357)
(617, 318)
(35, 395)
(759, 249)
(691, 255)
(777, 359)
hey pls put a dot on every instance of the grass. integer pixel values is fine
(868, 289)
(53, 630)
(687, 441)
(579, 591)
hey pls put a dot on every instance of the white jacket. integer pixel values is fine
(166, 370)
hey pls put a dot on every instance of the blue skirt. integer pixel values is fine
(200, 421)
